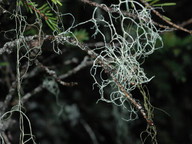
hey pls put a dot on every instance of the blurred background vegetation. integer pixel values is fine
(74, 116)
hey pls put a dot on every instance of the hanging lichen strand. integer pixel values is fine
(124, 50)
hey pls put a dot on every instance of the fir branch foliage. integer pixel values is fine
(57, 2)
(43, 11)
(155, 3)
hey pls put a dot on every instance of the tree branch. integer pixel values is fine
(8, 46)
(164, 19)
(53, 74)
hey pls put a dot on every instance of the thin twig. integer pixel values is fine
(186, 22)
(38, 89)
(9, 97)
(53, 74)
(90, 131)
(164, 19)
(5, 138)
(82, 65)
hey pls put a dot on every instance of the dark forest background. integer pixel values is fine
(75, 117)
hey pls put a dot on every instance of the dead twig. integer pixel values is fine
(8, 97)
(186, 22)
(53, 74)
(25, 98)
(5, 138)
(82, 65)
